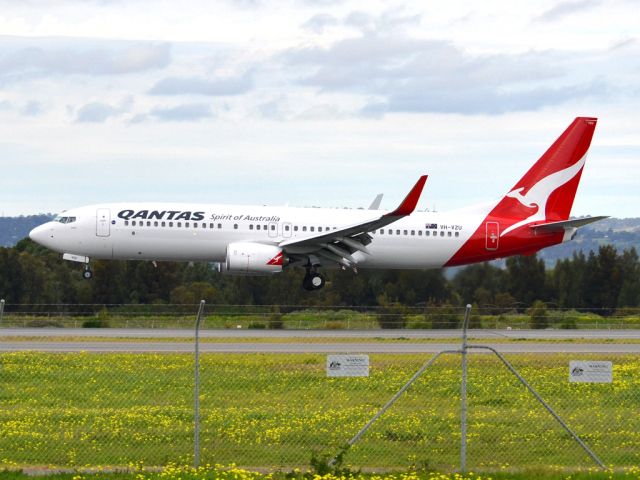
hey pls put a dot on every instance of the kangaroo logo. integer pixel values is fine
(538, 195)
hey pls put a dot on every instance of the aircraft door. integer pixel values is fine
(493, 235)
(286, 230)
(103, 222)
(273, 230)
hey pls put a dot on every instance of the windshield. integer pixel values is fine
(62, 219)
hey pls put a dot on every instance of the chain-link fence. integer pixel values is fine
(272, 410)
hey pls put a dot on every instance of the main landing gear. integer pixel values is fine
(313, 280)
(88, 273)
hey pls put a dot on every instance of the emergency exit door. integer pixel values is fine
(493, 235)
(103, 222)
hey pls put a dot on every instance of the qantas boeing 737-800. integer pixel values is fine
(262, 240)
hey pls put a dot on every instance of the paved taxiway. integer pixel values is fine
(245, 333)
(315, 341)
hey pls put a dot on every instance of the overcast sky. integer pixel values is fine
(311, 102)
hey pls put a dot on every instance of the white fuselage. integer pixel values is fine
(197, 232)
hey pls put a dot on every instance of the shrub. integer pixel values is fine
(538, 314)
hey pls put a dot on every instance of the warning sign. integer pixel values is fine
(347, 365)
(591, 371)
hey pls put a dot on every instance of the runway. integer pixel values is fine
(313, 341)
(310, 334)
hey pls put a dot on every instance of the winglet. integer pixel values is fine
(408, 205)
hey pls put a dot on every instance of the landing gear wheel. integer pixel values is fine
(87, 274)
(313, 281)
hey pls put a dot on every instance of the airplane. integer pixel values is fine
(264, 240)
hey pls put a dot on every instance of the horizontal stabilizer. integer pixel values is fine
(563, 225)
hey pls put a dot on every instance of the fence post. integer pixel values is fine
(463, 393)
(1, 311)
(196, 391)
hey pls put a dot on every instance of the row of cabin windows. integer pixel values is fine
(149, 223)
(418, 232)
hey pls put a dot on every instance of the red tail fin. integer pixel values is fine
(547, 190)
(545, 194)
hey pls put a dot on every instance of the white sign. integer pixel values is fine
(591, 371)
(347, 365)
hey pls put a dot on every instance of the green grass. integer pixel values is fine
(305, 319)
(232, 473)
(274, 411)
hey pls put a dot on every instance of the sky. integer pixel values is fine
(311, 102)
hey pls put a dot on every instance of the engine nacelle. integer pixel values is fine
(246, 258)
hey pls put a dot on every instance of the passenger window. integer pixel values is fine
(406, 232)
(273, 227)
(186, 224)
(163, 224)
(311, 228)
(235, 226)
(397, 232)
(442, 233)
(257, 227)
(390, 232)
(419, 233)
(179, 224)
(148, 223)
(155, 224)
(319, 229)
(204, 225)
(126, 223)
(295, 228)
(304, 229)
(448, 234)
(171, 224)
(457, 234)
(251, 226)
(382, 231)
(219, 225)
(286, 228)
(265, 227)
(427, 233)
(133, 223)
(413, 232)
(211, 225)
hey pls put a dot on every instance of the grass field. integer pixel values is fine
(275, 411)
(261, 317)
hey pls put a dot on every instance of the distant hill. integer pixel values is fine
(14, 229)
(621, 233)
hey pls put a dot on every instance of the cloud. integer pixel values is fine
(201, 86)
(32, 109)
(182, 113)
(318, 23)
(97, 112)
(564, 9)
(42, 59)
(403, 74)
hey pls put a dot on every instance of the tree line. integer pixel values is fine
(603, 281)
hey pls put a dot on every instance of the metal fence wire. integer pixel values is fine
(279, 410)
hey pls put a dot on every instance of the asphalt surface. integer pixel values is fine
(314, 341)
(309, 334)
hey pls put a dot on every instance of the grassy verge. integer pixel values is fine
(275, 411)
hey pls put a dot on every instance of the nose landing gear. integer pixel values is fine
(88, 273)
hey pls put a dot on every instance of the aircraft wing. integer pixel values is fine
(337, 246)
(564, 224)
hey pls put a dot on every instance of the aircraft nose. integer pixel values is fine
(40, 234)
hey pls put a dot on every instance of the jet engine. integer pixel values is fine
(246, 258)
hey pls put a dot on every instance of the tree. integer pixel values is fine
(526, 278)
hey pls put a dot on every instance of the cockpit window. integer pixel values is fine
(61, 219)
